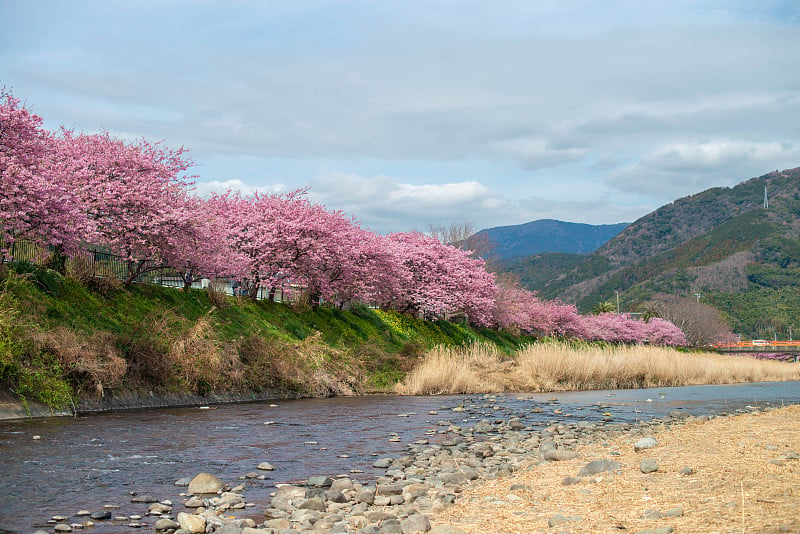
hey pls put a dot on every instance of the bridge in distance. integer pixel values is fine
(758, 346)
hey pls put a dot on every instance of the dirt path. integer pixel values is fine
(746, 478)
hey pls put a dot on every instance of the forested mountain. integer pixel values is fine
(721, 244)
(548, 235)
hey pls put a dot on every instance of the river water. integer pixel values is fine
(91, 461)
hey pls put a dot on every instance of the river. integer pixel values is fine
(91, 461)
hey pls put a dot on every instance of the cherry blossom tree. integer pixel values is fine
(443, 281)
(270, 237)
(201, 251)
(35, 203)
(135, 197)
(663, 332)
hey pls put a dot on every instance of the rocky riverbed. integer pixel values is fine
(415, 487)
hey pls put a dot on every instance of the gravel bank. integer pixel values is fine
(499, 475)
(730, 474)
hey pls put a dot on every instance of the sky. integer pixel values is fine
(414, 113)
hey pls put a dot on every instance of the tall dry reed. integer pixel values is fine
(558, 366)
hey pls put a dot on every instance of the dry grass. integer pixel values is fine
(747, 479)
(201, 361)
(90, 361)
(216, 294)
(93, 275)
(548, 366)
(311, 366)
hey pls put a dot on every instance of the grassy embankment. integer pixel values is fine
(64, 337)
(564, 366)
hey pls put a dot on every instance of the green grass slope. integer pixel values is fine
(60, 339)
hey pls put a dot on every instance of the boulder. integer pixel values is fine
(415, 524)
(648, 465)
(598, 466)
(195, 524)
(204, 484)
(645, 443)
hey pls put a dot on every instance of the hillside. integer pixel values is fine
(548, 235)
(63, 339)
(721, 243)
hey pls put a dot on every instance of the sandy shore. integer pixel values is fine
(746, 478)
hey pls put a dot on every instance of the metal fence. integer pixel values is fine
(101, 263)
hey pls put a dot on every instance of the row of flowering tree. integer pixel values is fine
(136, 200)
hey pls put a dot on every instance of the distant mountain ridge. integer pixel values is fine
(548, 235)
(722, 244)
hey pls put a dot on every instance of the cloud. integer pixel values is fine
(585, 109)
(216, 186)
(533, 154)
(686, 168)
(438, 194)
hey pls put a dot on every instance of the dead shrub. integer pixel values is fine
(93, 363)
(300, 301)
(169, 350)
(93, 275)
(200, 361)
(310, 367)
(215, 291)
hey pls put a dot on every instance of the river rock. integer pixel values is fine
(415, 524)
(390, 489)
(675, 512)
(265, 466)
(62, 527)
(645, 443)
(147, 499)
(319, 482)
(382, 463)
(515, 424)
(598, 466)
(412, 492)
(342, 484)
(195, 524)
(314, 503)
(648, 465)
(335, 496)
(559, 455)
(167, 524)
(366, 496)
(228, 528)
(205, 484)
(194, 502)
(652, 514)
(286, 497)
(158, 508)
(102, 515)
(483, 427)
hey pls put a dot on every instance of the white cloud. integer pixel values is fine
(438, 194)
(535, 153)
(216, 186)
(587, 109)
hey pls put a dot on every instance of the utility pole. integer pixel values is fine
(617, 291)
(766, 199)
(698, 295)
